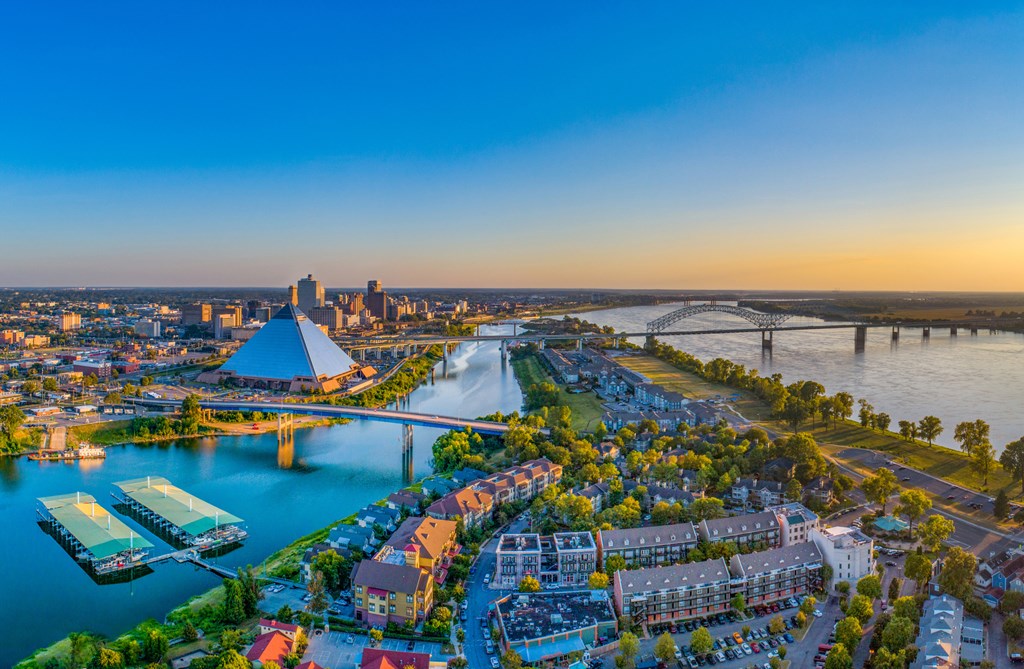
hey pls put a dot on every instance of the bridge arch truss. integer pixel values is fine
(760, 320)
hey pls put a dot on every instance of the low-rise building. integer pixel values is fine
(759, 530)
(379, 658)
(847, 550)
(940, 634)
(473, 506)
(648, 546)
(546, 627)
(673, 592)
(769, 576)
(757, 493)
(821, 490)
(427, 543)
(270, 647)
(564, 559)
(795, 522)
(384, 593)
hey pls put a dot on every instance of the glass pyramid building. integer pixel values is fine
(288, 353)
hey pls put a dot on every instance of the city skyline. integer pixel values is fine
(868, 148)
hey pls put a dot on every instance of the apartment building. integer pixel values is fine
(562, 559)
(849, 551)
(649, 546)
(752, 529)
(384, 593)
(768, 576)
(795, 522)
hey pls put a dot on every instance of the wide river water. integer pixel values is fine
(333, 472)
(955, 378)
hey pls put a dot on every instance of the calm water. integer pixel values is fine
(955, 378)
(333, 472)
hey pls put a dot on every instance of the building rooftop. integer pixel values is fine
(567, 541)
(176, 506)
(681, 533)
(429, 535)
(538, 615)
(521, 543)
(289, 345)
(845, 537)
(723, 528)
(101, 533)
(670, 577)
(776, 559)
(387, 576)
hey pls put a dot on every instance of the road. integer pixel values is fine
(980, 539)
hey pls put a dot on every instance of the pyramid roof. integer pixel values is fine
(287, 346)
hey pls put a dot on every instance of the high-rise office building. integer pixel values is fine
(196, 314)
(70, 321)
(310, 293)
(234, 311)
(293, 295)
(376, 299)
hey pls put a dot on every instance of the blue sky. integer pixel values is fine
(668, 145)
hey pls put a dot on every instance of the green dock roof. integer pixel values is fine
(101, 533)
(176, 506)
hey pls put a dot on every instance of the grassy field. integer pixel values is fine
(586, 407)
(691, 385)
(101, 434)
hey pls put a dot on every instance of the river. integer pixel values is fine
(333, 472)
(955, 378)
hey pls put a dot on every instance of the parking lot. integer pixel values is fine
(726, 644)
(340, 650)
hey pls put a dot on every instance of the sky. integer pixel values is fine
(812, 146)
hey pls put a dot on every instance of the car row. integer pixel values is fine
(731, 648)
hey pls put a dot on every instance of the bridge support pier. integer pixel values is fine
(504, 351)
(543, 344)
(926, 333)
(579, 344)
(285, 440)
(974, 331)
(379, 353)
(649, 342)
(860, 338)
(895, 333)
(407, 454)
(952, 331)
(362, 354)
(766, 340)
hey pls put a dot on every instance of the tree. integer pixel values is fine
(250, 588)
(870, 586)
(50, 385)
(614, 563)
(957, 575)
(919, 568)
(884, 659)
(1013, 627)
(801, 619)
(934, 531)
(1012, 460)
(880, 486)
(334, 568)
(108, 658)
(866, 413)
(665, 648)
(849, 632)
(376, 636)
(794, 491)
(860, 608)
(906, 607)
(838, 658)
(510, 659)
(1001, 508)
(914, 503)
(929, 428)
(895, 586)
(154, 646)
(706, 508)
(11, 419)
(230, 639)
(234, 609)
(318, 594)
(232, 659)
(898, 633)
(189, 632)
(971, 434)
(843, 587)
(983, 459)
(598, 581)
(776, 625)
(629, 647)
(807, 606)
(701, 641)
(1012, 601)
(529, 584)
(882, 421)
(738, 603)
(908, 429)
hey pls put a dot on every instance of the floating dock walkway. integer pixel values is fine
(185, 518)
(91, 533)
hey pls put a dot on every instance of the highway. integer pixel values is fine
(338, 411)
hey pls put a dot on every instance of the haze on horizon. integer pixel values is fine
(862, 146)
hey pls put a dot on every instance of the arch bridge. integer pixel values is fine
(760, 320)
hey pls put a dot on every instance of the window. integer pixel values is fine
(391, 596)
(392, 608)
(408, 599)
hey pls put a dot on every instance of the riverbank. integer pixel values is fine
(935, 460)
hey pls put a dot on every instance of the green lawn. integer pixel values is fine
(102, 434)
(586, 407)
(691, 385)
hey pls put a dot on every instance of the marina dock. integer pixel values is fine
(177, 514)
(91, 533)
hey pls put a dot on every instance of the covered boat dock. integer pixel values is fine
(179, 514)
(91, 533)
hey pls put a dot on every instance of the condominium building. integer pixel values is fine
(649, 546)
(795, 522)
(562, 559)
(384, 593)
(753, 529)
(70, 321)
(675, 592)
(849, 551)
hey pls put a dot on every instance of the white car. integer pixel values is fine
(495, 663)
(817, 613)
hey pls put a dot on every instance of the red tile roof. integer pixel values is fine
(273, 646)
(284, 627)
(377, 658)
